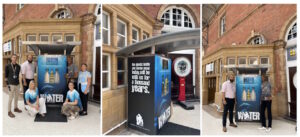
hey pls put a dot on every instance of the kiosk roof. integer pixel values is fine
(64, 48)
(169, 42)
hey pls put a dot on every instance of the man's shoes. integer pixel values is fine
(10, 114)
(262, 128)
(83, 113)
(224, 129)
(43, 115)
(268, 129)
(233, 125)
(17, 110)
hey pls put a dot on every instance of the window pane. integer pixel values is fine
(121, 28)
(264, 60)
(56, 38)
(231, 61)
(105, 63)
(121, 41)
(44, 38)
(242, 61)
(98, 31)
(121, 64)
(31, 38)
(134, 34)
(253, 61)
(105, 36)
(70, 38)
(105, 80)
(105, 21)
(121, 78)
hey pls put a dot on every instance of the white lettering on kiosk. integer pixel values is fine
(248, 116)
(140, 77)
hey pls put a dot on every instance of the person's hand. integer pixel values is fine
(224, 102)
(85, 92)
(65, 103)
(37, 107)
(25, 84)
(8, 88)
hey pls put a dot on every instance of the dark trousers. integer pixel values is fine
(228, 107)
(84, 98)
(25, 88)
(266, 104)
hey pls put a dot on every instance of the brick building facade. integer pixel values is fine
(52, 23)
(253, 34)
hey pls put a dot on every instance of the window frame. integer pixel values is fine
(20, 6)
(40, 37)
(106, 29)
(56, 35)
(222, 24)
(106, 71)
(125, 35)
(265, 58)
(145, 34)
(122, 71)
(137, 35)
(66, 35)
(228, 58)
(252, 58)
(27, 39)
(183, 10)
(238, 60)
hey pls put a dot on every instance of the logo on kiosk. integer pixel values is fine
(139, 120)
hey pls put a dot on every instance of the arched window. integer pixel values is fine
(63, 14)
(177, 17)
(257, 40)
(292, 32)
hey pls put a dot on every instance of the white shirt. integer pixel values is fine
(229, 89)
(28, 69)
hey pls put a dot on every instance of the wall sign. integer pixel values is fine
(291, 53)
(7, 46)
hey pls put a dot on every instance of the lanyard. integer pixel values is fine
(13, 68)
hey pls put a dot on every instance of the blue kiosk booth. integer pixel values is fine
(149, 79)
(51, 70)
(149, 92)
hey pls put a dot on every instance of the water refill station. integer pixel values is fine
(149, 78)
(248, 91)
(51, 70)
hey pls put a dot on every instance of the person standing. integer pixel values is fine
(265, 102)
(228, 99)
(27, 70)
(12, 72)
(72, 73)
(84, 82)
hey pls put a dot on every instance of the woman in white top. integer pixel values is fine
(34, 103)
(84, 82)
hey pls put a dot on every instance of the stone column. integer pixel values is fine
(157, 28)
(280, 102)
(129, 33)
(113, 33)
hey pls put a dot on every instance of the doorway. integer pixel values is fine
(293, 93)
(211, 90)
(97, 71)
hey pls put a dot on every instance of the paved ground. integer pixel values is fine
(23, 124)
(212, 125)
(189, 118)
